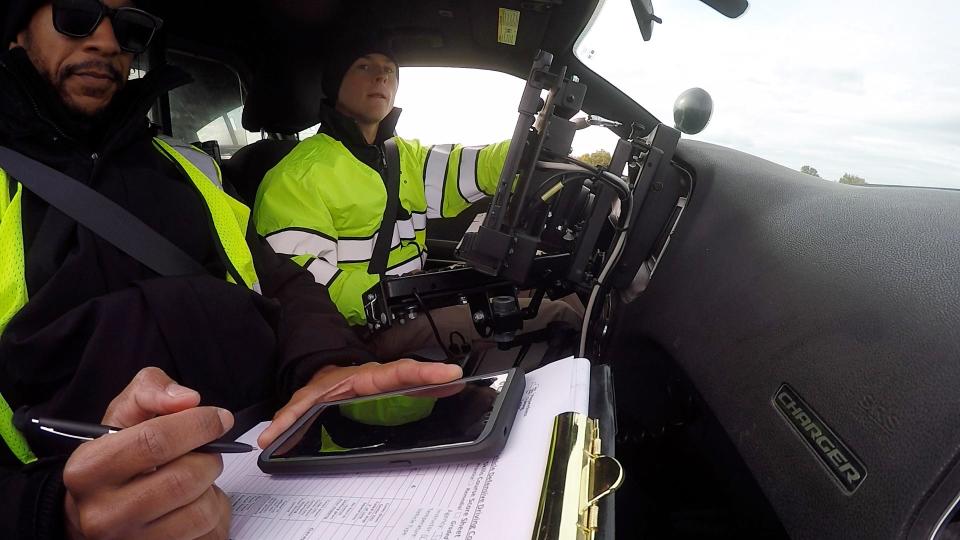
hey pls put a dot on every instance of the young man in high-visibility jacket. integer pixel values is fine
(323, 204)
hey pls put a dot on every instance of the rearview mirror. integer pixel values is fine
(643, 11)
(728, 8)
(692, 110)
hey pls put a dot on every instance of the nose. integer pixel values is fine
(385, 73)
(103, 40)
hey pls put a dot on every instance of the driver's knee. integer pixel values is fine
(568, 310)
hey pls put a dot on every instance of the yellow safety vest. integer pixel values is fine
(229, 217)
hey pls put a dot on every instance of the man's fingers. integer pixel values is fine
(328, 383)
(222, 531)
(149, 394)
(118, 457)
(344, 383)
(171, 486)
(285, 417)
(403, 374)
(197, 519)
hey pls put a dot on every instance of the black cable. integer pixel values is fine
(612, 180)
(615, 182)
(521, 355)
(433, 325)
(583, 164)
(537, 197)
(623, 193)
(539, 191)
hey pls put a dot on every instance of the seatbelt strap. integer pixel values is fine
(391, 180)
(100, 215)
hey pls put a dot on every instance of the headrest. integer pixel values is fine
(284, 96)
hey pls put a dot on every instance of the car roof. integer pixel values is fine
(443, 33)
(277, 47)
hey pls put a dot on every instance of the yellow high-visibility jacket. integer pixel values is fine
(323, 206)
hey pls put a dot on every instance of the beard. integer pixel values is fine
(60, 80)
(105, 94)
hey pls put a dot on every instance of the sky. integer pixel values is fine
(870, 88)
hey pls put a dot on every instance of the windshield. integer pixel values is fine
(860, 88)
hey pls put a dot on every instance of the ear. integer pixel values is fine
(21, 40)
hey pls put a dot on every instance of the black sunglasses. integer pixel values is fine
(133, 28)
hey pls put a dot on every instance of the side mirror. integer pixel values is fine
(692, 110)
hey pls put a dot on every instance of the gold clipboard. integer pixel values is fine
(577, 477)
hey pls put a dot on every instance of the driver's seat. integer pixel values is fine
(284, 100)
(247, 167)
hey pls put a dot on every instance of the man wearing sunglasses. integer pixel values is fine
(86, 80)
(89, 333)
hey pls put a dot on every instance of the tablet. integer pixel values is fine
(465, 420)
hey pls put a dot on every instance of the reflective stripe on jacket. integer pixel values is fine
(228, 216)
(323, 207)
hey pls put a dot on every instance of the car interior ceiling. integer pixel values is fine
(277, 50)
(677, 488)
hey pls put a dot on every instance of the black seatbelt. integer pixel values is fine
(100, 215)
(391, 180)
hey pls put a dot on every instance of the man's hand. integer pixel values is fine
(144, 482)
(332, 383)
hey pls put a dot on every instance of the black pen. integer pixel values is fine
(87, 432)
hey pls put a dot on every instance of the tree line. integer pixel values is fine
(847, 178)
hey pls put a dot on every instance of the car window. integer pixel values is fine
(857, 90)
(471, 107)
(440, 105)
(210, 108)
(454, 105)
(457, 105)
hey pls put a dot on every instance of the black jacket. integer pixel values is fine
(96, 316)
(345, 130)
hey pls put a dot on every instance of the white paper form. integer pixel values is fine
(496, 498)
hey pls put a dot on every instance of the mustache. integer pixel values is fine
(92, 65)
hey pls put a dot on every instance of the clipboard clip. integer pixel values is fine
(577, 478)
